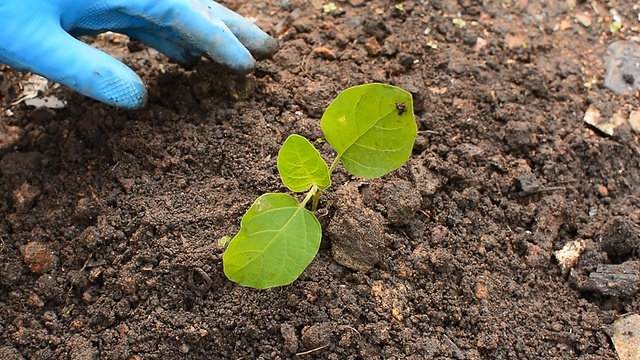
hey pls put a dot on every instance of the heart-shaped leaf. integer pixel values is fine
(278, 239)
(372, 128)
(301, 166)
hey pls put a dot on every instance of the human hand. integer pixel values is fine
(38, 36)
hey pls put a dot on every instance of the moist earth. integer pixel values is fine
(110, 219)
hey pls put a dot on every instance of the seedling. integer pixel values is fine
(372, 129)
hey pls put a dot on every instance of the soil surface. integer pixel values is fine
(110, 219)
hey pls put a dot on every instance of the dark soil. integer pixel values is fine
(110, 219)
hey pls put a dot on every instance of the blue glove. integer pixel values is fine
(38, 36)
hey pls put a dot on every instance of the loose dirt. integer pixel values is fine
(110, 219)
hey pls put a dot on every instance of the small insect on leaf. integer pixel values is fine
(401, 107)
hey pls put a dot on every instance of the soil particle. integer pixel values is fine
(81, 348)
(25, 197)
(318, 335)
(9, 353)
(401, 201)
(289, 337)
(620, 238)
(356, 232)
(21, 164)
(10, 137)
(49, 288)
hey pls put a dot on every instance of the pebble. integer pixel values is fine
(622, 61)
(626, 337)
(373, 46)
(634, 121)
(568, 256)
(39, 257)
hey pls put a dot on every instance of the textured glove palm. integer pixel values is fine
(38, 36)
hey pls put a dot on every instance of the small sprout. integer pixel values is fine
(590, 83)
(432, 44)
(224, 241)
(616, 25)
(459, 22)
(330, 7)
(372, 129)
(399, 7)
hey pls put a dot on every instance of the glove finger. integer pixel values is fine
(46, 49)
(259, 43)
(166, 46)
(199, 26)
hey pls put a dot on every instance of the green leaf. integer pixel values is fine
(278, 239)
(301, 166)
(372, 128)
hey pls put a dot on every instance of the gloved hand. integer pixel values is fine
(38, 36)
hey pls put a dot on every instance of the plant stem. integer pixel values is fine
(334, 164)
(309, 195)
(316, 200)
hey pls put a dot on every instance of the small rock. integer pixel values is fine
(35, 301)
(39, 257)
(620, 281)
(356, 3)
(468, 151)
(623, 67)
(480, 44)
(594, 117)
(602, 190)
(373, 46)
(519, 135)
(304, 25)
(324, 53)
(584, 19)
(626, 337)
(568, 256)
(634, 121)
(527, 183)
(356, 232)
(620, 238)
(51, 102)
